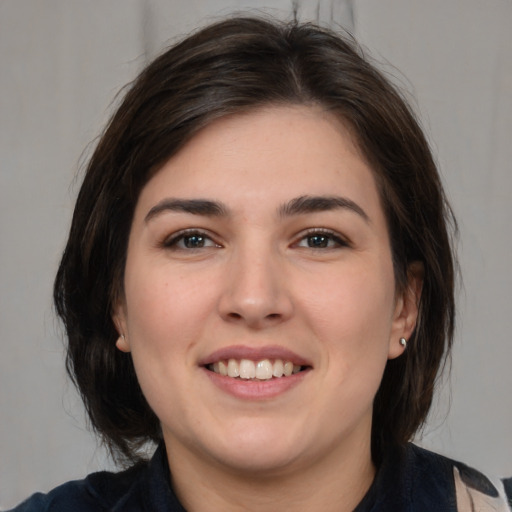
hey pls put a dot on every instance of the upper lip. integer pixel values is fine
(254, 354)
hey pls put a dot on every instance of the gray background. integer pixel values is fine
(61, 63)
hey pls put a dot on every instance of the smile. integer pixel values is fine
(246, 369)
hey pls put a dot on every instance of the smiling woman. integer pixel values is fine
(281, 277)
(259, 279)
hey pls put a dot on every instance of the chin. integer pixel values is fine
(259, 449)
(259, 462)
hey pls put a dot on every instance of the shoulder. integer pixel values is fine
(464, 487)
(144, 487)
(99, 491)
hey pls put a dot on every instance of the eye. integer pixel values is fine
(321, 239)
(190, 240)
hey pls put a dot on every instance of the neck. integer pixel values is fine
(335, 482)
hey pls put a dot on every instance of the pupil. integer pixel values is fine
(318, 241)
(194, 241)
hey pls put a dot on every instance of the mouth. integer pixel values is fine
(252, 373)
(246, 363)
(260, 370)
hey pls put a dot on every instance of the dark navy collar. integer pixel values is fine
(158, 494)
(409, 479)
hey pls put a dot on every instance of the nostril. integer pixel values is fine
(271, 317)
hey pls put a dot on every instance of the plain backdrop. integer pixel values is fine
(61, 64)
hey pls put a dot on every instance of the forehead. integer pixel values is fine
(265, 156)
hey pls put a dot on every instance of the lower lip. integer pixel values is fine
(256, 389)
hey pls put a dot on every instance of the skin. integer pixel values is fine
(260, 277)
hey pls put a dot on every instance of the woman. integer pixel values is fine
(259, 280)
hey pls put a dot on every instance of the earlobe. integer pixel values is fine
(118, 319)
(406, 311)
(122, 343)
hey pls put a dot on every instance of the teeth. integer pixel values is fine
(247, 369)
(264, 370)
(261, 370)
(278, 368)
(233, 368)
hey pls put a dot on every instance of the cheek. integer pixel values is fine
(165, 317)
(351, 302)
(165, 310)
(351, 315)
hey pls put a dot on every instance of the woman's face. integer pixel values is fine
(262, 248)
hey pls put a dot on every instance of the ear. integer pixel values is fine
(406, 310)
(119, 319)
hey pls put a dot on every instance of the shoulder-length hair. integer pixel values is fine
(230, 67)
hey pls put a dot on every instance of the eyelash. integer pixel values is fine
(331, 236)
(173, 241)
(328, 235)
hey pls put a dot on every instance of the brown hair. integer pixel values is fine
(229, 67)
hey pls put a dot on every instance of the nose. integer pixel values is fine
(256, 292)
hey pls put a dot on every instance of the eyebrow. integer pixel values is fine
(203, 207)
(312, 204)
(297, 206)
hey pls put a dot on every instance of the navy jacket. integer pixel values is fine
(410, 479)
